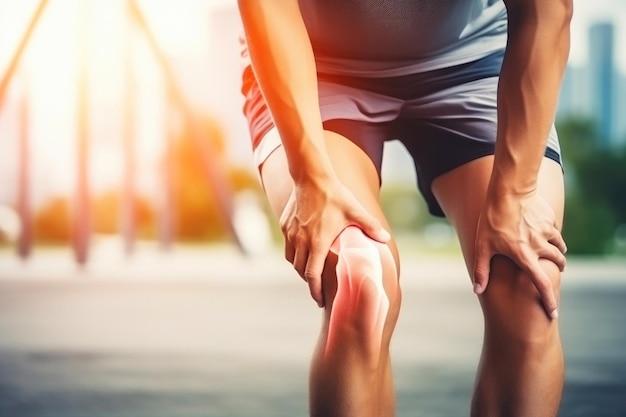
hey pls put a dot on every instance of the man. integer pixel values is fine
(470, 87)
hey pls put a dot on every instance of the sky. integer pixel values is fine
(587, 12)
(49, 71)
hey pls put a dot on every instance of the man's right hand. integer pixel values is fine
(316, 213)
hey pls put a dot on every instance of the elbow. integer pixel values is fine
(560, 16)
(551, 17)
(568, 9)
(557, 13)
(564, 12)
(249, 12)
(245, 6)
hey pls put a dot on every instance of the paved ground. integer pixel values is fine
(205, 333)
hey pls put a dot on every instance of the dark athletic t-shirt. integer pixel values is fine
(384, 38)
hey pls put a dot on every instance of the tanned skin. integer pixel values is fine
(506, 209)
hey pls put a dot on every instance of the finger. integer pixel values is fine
(543, 284)
(300, 259)
(290, 248)
(558, 241)
(313, 273)
(371, 226)
(552, 253)
(315, 288)
(290, 252)
(482, 266)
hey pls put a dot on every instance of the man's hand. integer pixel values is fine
(524, 229)
(314, 216)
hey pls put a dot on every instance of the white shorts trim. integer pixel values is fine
(268, 144)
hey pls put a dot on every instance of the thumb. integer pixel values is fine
(482, 266)
(371, 226)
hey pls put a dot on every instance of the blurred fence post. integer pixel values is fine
(25, 238)
(17, 56)
(167, 209)
(82, 200)
(128, 200)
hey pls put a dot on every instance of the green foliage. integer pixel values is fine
(595, 204)
(578, 139)
(588, 227)
(404, 208)
(602, 177)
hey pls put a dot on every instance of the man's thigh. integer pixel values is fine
(462, 193)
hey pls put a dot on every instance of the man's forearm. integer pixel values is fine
(535, 59)
(284, 65)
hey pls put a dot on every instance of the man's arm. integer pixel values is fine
(515, 222)
(320, 206)
(282, 58)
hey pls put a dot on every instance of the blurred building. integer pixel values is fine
(602, 72)
(575, 96)
(620, 110)
(597, 90)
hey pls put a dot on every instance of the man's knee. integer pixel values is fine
(513, 308)
(366, 278)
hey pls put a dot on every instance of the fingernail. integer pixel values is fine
(385, 235)
(555, 314)
(477, 288)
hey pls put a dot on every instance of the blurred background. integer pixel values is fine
(124, 120)
(141, 272)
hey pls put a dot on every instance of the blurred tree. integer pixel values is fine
(405, 209)
(595, 203)
(52, 221)
(602, 178)
(578, 138)
(588, 226)
(107, 214)
(243, 179)
(197, 215)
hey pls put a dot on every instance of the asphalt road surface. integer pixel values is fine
(217, 336)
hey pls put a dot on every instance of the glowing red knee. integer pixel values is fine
(360, 303)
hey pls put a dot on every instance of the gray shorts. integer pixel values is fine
(445, 118)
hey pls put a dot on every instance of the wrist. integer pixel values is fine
(311, 172)
(309, 164)
(512, 178)
(500, 188)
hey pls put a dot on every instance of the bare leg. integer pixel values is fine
(360, 296)
(351, 369)
(521, 368)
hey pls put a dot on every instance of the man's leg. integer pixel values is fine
(351, 369)
(521, 368)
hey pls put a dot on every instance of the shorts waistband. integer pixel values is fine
(425, 83)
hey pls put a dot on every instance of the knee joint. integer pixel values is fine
(361, 302)
(514, 309)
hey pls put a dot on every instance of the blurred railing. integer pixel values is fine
(81, 229)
